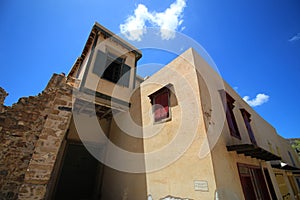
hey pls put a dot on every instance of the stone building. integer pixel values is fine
(102, 132)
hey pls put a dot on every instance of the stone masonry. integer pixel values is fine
(31, 132)
(3, 95)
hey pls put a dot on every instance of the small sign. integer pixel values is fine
(201, 186)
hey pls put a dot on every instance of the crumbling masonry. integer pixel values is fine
(31, 132)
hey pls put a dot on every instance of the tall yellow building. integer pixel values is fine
(105, 133)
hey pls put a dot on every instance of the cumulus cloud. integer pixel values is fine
(167, 21)
(258, 100)
(295, 37)
(135, 25)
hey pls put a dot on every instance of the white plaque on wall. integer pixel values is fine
(201, 186)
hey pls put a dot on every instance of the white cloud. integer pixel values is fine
(168, 21)
(182, 28)
(295, 37)
(135, 26)
(258, 100)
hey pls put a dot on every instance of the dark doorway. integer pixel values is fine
(248, 188)
(80, 175)
(253, 182)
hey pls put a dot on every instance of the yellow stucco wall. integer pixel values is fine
(181, 136)
(207, 157)
(126, 133)
(224, 162)
(116, 183)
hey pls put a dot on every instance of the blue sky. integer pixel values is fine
(255, 45)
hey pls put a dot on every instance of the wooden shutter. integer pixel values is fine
(125, 75)
(100, 63)
(230, 117)
(162, 106)
(247, 121)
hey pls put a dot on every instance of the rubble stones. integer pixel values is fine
(31, 132)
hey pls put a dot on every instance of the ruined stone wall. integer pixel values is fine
(3, 95)
(22, 132)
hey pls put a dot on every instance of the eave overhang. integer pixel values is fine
(254, 151)
(282, 165)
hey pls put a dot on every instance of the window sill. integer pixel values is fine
(163, 120)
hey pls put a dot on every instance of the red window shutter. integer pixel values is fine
(157, 112)
(165, 105)
(162, 106)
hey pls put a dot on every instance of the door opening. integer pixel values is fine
(253, 183)
(80, 175)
